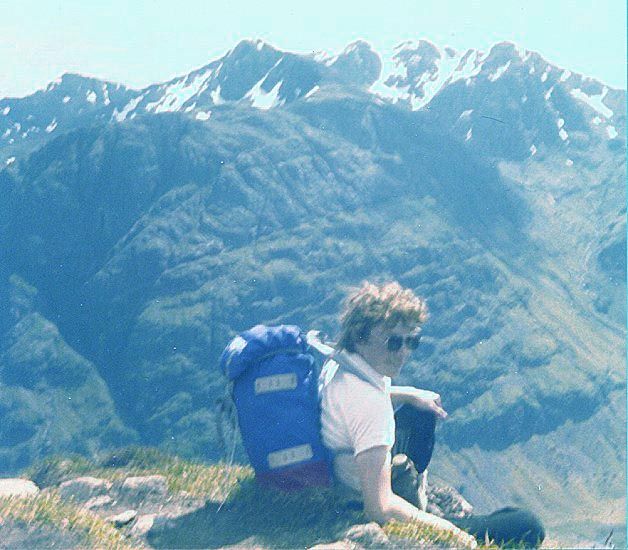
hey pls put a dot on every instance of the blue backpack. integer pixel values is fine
(274, 374)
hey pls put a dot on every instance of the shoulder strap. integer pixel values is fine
(314, 339)
(347, 365)
(325, 352)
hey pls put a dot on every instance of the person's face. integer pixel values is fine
(377, 352)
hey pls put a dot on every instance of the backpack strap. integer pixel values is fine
(325, 351)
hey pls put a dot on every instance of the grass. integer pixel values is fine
(236, 508)
(415, 532)
(200, 480)
(48, 510)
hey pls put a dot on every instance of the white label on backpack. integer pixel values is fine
(293, 455)
(276, 382)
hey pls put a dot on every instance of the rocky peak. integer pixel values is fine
(358, 64)
(506, 83)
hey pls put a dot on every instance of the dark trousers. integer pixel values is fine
(414, 435)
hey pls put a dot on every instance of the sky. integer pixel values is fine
(141, 42)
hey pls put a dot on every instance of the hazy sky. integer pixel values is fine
(141, 42)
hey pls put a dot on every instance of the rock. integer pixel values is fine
(447, 502)
(250, 543)
(367, 535)
(97, 502)
(143, 524)
(82, 489)
(338, 545)
(17, 487)
(435, 510)
(139, 489)
(123, 518)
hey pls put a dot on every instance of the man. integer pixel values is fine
(381, 325)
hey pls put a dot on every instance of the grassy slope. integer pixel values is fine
(236, 508)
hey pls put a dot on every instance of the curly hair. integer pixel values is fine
(372, 304)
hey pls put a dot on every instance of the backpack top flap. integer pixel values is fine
(256, 344)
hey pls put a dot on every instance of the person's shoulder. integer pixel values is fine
(356, 388)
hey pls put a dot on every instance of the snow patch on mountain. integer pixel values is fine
(330, 60)
(105, 93)
(533, 149)
(128, 108)
(215, 96)
(563, 135)
(612, 132)
(445, 66)
(263, 100)
(203, 115)
(470, 66)
(417, 71)
(393, 69)
(66, 99)
(6, 110)
(180, 91)
(499, 72)
(393, 93)
(596, 102)
(312, 92)
(51, 127)
(10, 161)
(91, 97)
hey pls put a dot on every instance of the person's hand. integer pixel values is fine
(426, 400)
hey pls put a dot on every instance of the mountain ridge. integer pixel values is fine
(275, 78)
(150, 241)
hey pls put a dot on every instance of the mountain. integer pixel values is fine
(148, 227)
(253, 73)
(509, 86)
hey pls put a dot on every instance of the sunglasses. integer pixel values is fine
(395, 342)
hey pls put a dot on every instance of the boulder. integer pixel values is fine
(367, 535)
(143, 524)
(82, 489)
(137, 490)
(123, 518)
(17, 487)
(445, 501)
(97, 502)
(338, 545)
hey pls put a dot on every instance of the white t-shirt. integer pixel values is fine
(356, 413)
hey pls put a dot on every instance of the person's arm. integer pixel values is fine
(421, 399)
(382, 505)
